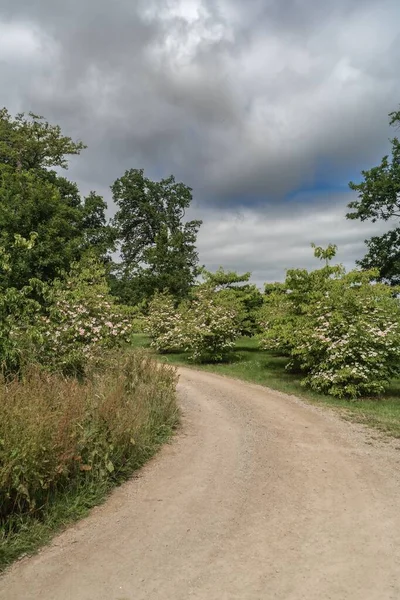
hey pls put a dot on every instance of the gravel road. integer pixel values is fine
(259, 497)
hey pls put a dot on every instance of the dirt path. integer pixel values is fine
(260, 497)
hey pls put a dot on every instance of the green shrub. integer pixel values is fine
(210, 328)
(19, 311)
(350, 345)
(136, 318)
(342, 330)
(164, 324)
(204, 326)
(81, 319)
(62, 324)
(234, 290)
(56, 432)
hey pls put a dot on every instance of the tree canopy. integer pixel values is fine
(233, 289)
(158, 246)
(35, 198)
(379, 199)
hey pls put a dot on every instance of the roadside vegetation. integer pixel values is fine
(83, 398)
(340, 331)
(264, 367)
(80, 410)
(65, 443)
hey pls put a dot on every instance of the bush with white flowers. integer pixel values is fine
(164, 324)
(341, 330)
(82, 319)
(211, 327)
(203, 327)
(351, 346)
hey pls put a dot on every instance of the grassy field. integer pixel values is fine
(265, 368)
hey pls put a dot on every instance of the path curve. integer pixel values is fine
(260, 497)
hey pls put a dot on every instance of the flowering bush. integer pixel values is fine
(82, 318)
(351, 346)
(235, 291)
(164, 324)
(342, 330)
(203, 326)
(62, 324)
(211, 327)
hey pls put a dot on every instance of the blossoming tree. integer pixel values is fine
(341, 329)
(82, 318)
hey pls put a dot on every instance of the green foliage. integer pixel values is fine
(325, 254)
(203, 326)
(341, 330)
(379, 192)
(34, 198)
(211, 327)
(57, 434)
(379, 199)
(350, 345)
(30, 204)
(18, 311)
(222, 280)
(62, 324)
(164, 323)
(31, 143)
(157, 245)
(82, 318)
(384, 254)
(234, 291)
(97, 235)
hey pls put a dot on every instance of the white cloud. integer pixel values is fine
(268, 242)
(18, 41)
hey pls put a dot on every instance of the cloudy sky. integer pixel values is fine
(266, 108)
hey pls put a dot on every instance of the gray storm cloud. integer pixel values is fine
(245, 101)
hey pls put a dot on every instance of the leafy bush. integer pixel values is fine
(164, 324)
(136, 318)
(233, 290)
(351, 346)
(210, 327)
(204, 326)
(19, 311)
(62, 324)
(81, 319)
(342, 330)
(57, 432)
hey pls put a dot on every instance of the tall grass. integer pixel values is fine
(64, 443)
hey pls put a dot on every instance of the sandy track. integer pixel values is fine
(259, 497)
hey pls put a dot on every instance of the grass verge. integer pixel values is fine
(65, 444)
(264, 368)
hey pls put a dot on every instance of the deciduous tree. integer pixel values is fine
(158, 246)
(35, 198)
(379, 199)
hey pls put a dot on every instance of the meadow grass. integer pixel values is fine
(64, 443)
